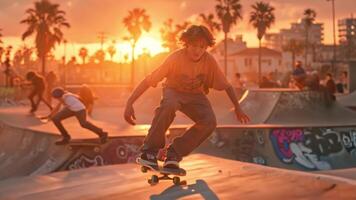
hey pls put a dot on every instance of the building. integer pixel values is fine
(246, 62)
(347, 38)
(233, 46)
(297, 32)
(347, 30)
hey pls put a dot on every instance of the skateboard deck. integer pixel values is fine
(74, 144)
(42, 119)
(165, 172)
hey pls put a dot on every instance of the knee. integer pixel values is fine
(55, 119)
(208, 124)
(84, 124)
(169, 106)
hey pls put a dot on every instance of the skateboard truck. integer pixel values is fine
(165, 176)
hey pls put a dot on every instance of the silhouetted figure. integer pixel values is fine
(37, 92)
(312, 81)
(238, 85)
(299, 75)
(330, 85)
(342, 85)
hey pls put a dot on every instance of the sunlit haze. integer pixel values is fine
(89, 17)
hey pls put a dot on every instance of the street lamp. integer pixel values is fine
(64, 62)
(334, 34)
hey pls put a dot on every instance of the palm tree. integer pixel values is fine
(46, 20)
(1, 48)
(209, 21)
(136, 22)
(112, 50)
(228, 11)
(83, 53)
(169, 33)
(309, 18)
(100, 55)
(0, 36)
(262, 17)
(295, 47)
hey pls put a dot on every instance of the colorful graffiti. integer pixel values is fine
(116, 151)
(308, 147)
(85, 162)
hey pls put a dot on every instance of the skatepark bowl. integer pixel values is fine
(293, 130)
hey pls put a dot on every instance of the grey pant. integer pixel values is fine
(80, 115)
(196, 106)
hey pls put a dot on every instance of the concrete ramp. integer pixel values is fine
(348, 100)
(207, 178)
(27, 152)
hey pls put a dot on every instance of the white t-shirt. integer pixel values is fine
(72, 102)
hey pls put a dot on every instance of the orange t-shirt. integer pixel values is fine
(185, 75)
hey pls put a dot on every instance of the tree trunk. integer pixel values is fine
(43, 58)
(293, 60)
(225, 52)
(306, 48)
(133, 65)
(259, 63)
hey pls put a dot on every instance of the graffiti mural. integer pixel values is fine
(117, 151)
(85, 162)
(308, 147)
(349, 141)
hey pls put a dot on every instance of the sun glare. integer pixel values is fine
(146, 44)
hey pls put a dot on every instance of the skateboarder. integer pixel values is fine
(38, 89)
(72, 107)
(189, 72)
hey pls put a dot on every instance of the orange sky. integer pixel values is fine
(88, 17)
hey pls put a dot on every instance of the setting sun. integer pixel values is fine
(146, 44)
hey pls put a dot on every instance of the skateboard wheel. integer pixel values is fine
(176, 180)
(154, 179)
(144, 169)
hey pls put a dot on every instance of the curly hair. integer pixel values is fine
(196, 32)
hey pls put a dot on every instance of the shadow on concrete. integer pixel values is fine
(176, 192)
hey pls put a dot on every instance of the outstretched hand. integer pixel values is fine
(241, 116)
(129, 114)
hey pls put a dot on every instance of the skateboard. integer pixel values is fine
(164, 172)
(92, 144)
(42, 119)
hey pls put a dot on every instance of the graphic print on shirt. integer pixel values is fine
(188, 83)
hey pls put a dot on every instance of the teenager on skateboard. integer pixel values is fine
(37, 93)
(72, 107)
(189, 72)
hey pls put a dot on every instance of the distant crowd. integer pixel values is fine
(299, 79)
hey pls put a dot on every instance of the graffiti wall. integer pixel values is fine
(291, 148)
(117, 151)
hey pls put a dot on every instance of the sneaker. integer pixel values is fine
(149, 159)
(172, 160)
(63, 141)
(103, 137)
